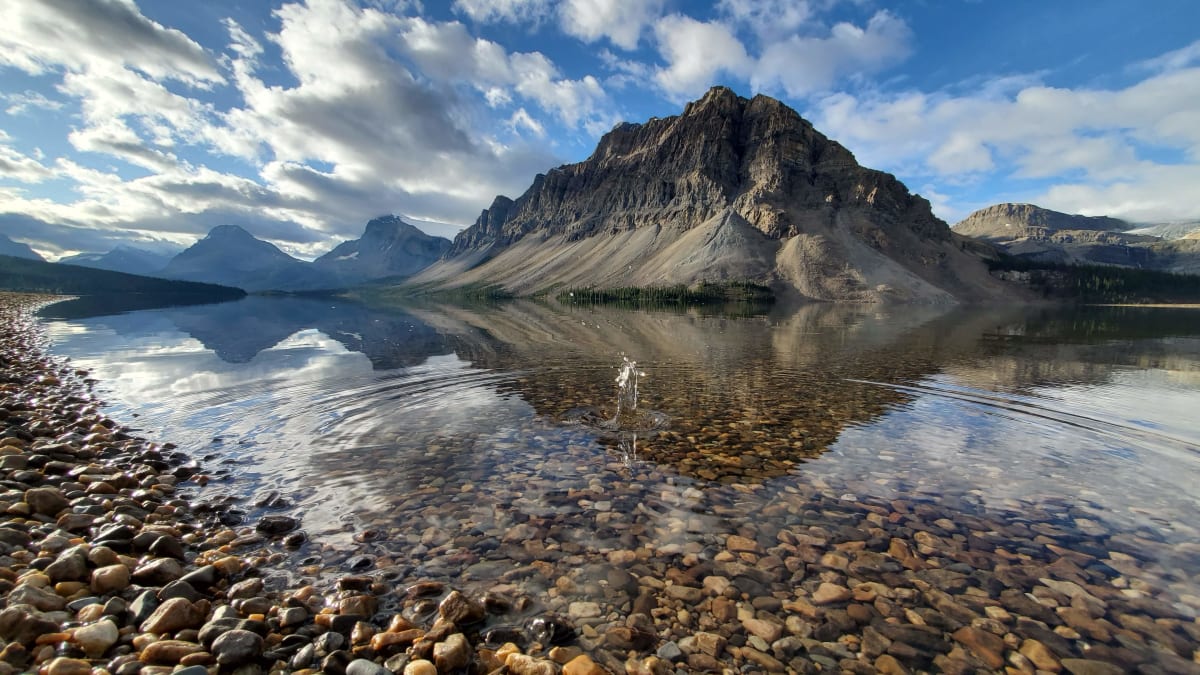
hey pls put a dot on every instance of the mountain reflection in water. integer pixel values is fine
(455, 425)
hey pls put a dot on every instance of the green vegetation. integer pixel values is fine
(36, 276)
(1102, 284)
(704, 293)
(395, 294)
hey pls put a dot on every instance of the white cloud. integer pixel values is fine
(770, 20)
(17, 166)
(28, 101)
(522, 120)
(1103, 147)
(621, 21)
(40, 36)
(696, 53)
(803, 65)
(511, 11)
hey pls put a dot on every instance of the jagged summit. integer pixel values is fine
(836, 230)
(389, 247)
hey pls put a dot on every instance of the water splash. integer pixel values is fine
(628, 418)
(627, 387)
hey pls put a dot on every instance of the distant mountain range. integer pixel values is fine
(8, 247)
(1036, 234)
(733, 189)
(126, 259)
(39, 276)
(230, 256)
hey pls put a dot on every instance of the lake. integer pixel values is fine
(810, 484)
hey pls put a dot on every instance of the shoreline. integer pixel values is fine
(106, 568)
(861, 585)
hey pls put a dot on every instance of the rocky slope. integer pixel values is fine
(1035, 233)
(389, 247)
(17, 250)
(1003, 222)
(732, 189)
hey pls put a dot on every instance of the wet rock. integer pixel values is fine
(168, 652)
(67, 666)
(23, 624)
(522, 664)
(461, 610)
(236, 647)
(828, 593)
(158, 572)
(452, 653)
(275, 525)
(583, 665)
(1091, 667)
(988, 647)
(71, 565)
(174, 614)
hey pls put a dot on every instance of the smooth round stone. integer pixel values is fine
(65, 666)
(96, 638)
(365, 667)
(420, 667)
(237, 646)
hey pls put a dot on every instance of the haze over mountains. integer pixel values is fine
(1034, 233)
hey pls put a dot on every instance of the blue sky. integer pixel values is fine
(150, 122)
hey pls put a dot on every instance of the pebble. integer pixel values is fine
(235, 647)
(816, 582)
(96, 638)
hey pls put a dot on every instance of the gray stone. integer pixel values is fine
(237, 646)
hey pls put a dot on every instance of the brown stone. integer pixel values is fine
(828, 593)
(988, 647)
(1040, 656)
(168, 652)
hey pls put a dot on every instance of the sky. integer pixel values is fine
(149, 122)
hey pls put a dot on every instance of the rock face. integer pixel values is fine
(1003, 222)
(17, 249)
(231, 256)
(1029, 231)
(732, 189)
(389, 247)
(126, 259)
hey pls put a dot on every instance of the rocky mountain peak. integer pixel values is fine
(1010, 221)
(754, 158)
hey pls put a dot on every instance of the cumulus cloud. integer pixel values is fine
(385, 113)
(511, 11)
(621, 21)
(28, 101)
(786, 59)
(1104, 147)
(17, 166)
(41, 36)
(697, 52)
(802, 65)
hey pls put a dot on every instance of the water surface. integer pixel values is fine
(447, 442)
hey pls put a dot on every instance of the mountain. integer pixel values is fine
(23, 274)
(231, 256)
(1041, 235)
(389, 247)
(733, 189)
(1003, 222)
(8, 247)
(122, 259)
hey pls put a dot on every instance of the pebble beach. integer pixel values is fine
(113, 559)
